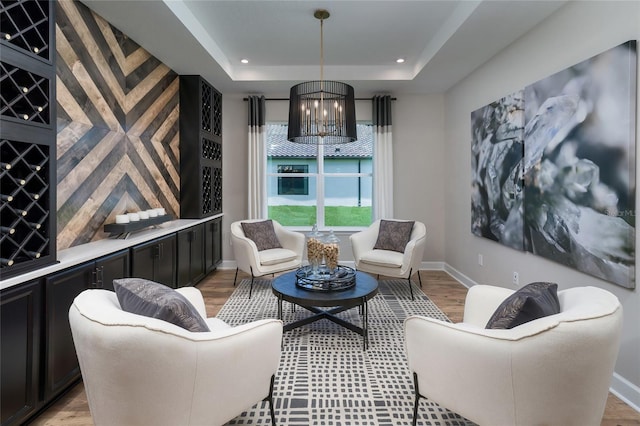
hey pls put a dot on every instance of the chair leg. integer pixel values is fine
(251, 287)
(410, 286)
(417, 400)
(419, 278)
(269, 398)
(235, 278)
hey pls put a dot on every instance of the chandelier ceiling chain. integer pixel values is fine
(312, 117)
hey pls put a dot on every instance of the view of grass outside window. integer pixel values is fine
(328, 185)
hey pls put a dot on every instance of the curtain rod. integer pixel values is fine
(287, 99)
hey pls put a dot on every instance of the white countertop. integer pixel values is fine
(86, 252)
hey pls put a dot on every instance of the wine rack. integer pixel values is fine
(200, 132)
(25, 95)
(27, 26)
(27, 136)
(25, 202)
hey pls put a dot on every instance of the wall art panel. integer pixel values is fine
(118, 109)
(497, 151)
(579, 166)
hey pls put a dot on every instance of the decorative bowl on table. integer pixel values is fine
(322, 279)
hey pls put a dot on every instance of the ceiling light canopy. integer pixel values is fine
(322, 112)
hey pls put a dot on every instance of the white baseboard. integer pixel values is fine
(620, 387)
(459, 276)
(626, 391)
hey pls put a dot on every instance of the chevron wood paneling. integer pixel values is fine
(118, 140)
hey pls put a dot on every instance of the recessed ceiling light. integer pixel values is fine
(400, 60)
(244, 61)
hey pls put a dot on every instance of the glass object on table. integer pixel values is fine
(315, 250)
(331, 251)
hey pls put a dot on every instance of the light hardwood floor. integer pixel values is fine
(442, 289)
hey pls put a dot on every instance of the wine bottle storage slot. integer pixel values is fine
(25, 24)
(25, 95)
(24, 208)
(211, 150)
(206, 190)
(216, 190)
(206, 107)
(217, 113)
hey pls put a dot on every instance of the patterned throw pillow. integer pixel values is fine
(261, 233)
(393, 235)
(155, 300)
(533, 301)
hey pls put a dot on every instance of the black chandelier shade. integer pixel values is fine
(322, 113)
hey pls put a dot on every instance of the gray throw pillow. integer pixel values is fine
(261, 233)
(393, 235)
(155, 300)
(533, 301)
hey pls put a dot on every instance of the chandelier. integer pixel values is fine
(322, 112)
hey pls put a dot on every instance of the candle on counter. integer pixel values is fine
(134, 217)
(161, 211)
(152, 213)
(122, 218)
(144, 214)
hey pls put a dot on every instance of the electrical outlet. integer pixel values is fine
(516, 278)
(480, 260)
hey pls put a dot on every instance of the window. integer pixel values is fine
(293, 185)
(330, 185)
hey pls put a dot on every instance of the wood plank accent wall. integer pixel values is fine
(118, 130)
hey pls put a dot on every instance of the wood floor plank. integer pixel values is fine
(447, 293)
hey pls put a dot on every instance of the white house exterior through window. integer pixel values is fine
(330, 185)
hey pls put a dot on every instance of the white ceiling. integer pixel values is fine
(441, 41)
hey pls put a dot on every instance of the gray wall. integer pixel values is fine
(576, 32)
(418, 138)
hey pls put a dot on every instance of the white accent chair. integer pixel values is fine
(145, 371)
(387, 262)
(555, 370)
(266, 262)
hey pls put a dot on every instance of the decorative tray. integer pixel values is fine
(122, 230)
(343, 278)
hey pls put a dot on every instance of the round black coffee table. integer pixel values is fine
(285, 288)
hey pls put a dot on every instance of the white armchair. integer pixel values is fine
(265, 262)
(145, 371)
(553, 370)
(387, 262)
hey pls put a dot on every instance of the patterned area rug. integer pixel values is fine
(325, 378)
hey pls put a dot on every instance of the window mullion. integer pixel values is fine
(320, 186)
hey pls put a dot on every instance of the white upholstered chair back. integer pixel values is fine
(145, 371)
(553, 370)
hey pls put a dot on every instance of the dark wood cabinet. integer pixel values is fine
(191, 256)
(61, 364)
(200, 148)
(38, 355)
(20, 326)
(155, 260)
(212, 244)
(27, 137)
(109, 268)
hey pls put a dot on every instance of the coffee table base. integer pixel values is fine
(329, 314)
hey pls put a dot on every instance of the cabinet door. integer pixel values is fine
(61, 363)
(20, 351)
(112, 267)
(156, 261)
(143, 260)
(213, 244)
(184, 258)
(166, 263)
(197, 254)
